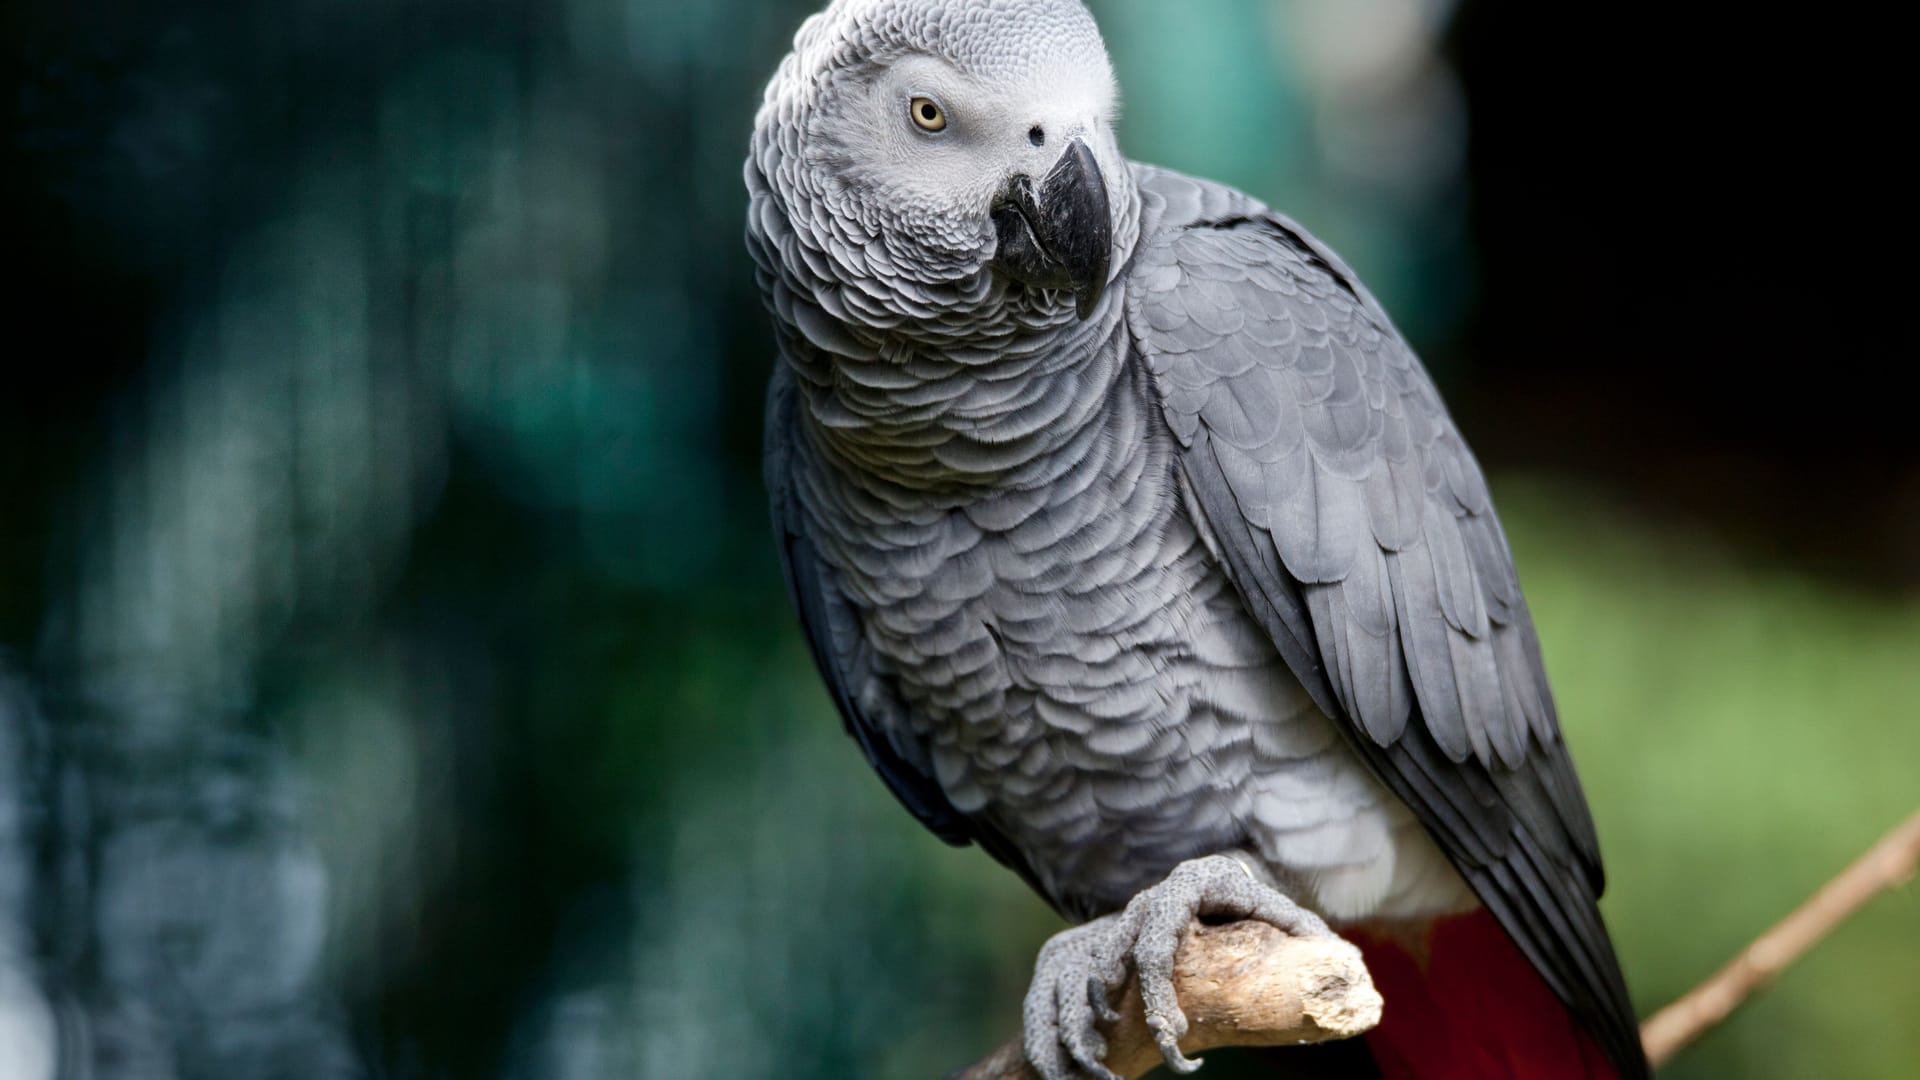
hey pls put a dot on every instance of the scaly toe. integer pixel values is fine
(1077, 1028)
(1097, 996)
(1167, 1034)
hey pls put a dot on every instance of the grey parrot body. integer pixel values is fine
(1203, 567)
(1026, 612)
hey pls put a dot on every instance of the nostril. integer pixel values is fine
(1037, 135)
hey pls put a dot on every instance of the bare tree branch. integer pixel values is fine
(1887, 864)
(1248, 984)
(1240, 984)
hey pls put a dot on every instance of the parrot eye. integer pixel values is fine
(927, 114)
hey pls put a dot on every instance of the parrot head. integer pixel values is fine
(923, 162)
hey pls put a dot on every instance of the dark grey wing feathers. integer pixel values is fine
(1358, 528)
(1274, 596)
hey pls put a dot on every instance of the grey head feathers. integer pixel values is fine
(886, 228)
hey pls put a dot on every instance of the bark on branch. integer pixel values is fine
(1248, 984)
(1240, 984)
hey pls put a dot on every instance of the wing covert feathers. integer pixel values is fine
(1358, 528)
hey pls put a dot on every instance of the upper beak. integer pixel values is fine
(1059, 236)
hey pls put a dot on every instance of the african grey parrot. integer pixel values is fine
(1134, 545)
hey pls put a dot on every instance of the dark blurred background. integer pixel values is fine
(395, 681)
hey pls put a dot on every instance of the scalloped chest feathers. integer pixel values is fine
(1079, 669)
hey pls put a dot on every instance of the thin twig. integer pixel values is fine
(1887, 864)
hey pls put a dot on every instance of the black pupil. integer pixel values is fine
(1036, 136)
(929, 113)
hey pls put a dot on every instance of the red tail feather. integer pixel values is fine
(1463, 1003)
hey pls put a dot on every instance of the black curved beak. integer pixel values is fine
(1058, 234)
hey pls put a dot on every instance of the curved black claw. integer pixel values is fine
(1078, 969)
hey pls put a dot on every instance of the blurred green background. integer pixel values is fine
(395, 679)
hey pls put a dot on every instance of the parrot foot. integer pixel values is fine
(1079, 969)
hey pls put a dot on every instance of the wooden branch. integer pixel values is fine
(1248, 984)
(1240, 984)
(1887, 864)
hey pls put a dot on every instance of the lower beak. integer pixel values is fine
(1060, 234)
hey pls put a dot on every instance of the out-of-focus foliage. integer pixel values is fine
(400, 684)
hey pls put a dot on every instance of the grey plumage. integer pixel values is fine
(1350, 508)
(1209, 570)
